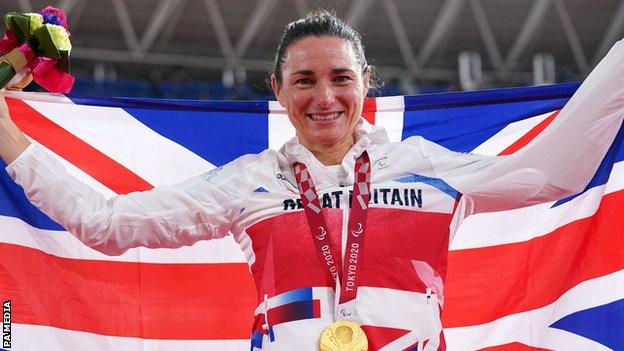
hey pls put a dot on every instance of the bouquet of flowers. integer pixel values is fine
(36, 43)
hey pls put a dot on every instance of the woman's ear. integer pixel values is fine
(277, 89)
(367, 77)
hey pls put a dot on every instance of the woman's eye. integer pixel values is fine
(342, 79)
(303, 81)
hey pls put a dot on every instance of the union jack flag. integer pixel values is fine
(545, 277)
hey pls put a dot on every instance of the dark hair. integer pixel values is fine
(320, 23)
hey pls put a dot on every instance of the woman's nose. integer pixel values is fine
(324, 95)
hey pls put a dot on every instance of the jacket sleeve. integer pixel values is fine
(557, 163)
(200, 208)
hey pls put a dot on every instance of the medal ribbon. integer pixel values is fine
(356, 228)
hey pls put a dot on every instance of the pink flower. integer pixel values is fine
(53, 15)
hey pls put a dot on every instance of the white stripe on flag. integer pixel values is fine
(26, 337)
(280, 128)
(522, 224)
(37, 96)
(62, 244)
(509, 135)
(124, 139)
(80, 174)
(532, 327)
(616, 178)
(390, 115)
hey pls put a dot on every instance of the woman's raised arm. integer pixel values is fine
(199, 208)
(557, 163)
(12, 141)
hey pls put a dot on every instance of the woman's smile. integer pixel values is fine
(324, 117)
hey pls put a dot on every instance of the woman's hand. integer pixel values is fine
(20, 81)
(4, 108)
(14, 85)
(12, 141)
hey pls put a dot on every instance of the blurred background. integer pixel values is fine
(221, 49)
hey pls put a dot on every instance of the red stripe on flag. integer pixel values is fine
(369, 110)
(516, 346)
(154, 301)
(379, 337)
(99, 166)
(536, 272)
(530, 135)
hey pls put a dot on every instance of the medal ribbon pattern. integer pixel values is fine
(356, 228)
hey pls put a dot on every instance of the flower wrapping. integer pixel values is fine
(40, 43)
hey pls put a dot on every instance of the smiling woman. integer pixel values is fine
(321, 78)
(323, 89)
(347, 241)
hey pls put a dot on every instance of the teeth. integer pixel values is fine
(324, 117)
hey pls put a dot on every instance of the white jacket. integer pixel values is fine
(414, 210)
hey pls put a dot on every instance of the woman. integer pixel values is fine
(337, 190)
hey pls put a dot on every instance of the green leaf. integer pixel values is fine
(45, 45)
(63, 63)
(19, 24)
(6, 73)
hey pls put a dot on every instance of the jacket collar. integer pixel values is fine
(366, 136)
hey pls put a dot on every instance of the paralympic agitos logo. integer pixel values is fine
(321, 234)
(356, 232)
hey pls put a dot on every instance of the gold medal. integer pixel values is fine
(343, 336)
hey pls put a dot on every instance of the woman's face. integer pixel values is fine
(322, 90)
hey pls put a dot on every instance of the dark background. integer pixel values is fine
(220, 49)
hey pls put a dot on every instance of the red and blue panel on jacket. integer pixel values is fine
(293, 306)
(290, 306)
